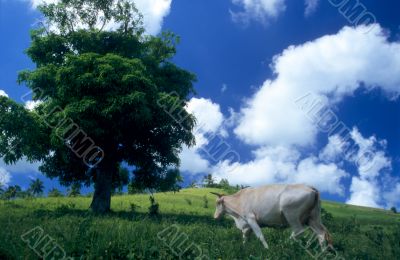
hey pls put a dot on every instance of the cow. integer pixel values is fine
(277, 205)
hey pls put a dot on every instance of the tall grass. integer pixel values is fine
(129, 232)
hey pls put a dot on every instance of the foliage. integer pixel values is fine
(154, 209)
(205, 202)
(209, 181)
(74, 190)
(105, 96)
(121, 180)
(188, 201)
(393, 209)
(134, 207)
(36, 187)
(12, 192)
(55, 193)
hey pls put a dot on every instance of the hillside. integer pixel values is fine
(130, 233)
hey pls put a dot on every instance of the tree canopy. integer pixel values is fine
(100, 82)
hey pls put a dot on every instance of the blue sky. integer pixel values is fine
(261, 66)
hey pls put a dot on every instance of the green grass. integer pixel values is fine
(358, 232)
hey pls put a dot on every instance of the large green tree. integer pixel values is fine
(108, 96)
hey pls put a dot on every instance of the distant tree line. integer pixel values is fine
(36, 189)
(210, 182)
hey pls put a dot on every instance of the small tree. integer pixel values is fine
(224, 184)
(193, 184)
(209, 181)
(74, 190)
(394, 210)
(154, 208)
(36, 187)
(55, 193)
(12, 192)
(121, 179)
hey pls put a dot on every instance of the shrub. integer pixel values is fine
(205, 202)
(188, 201)
(154, 207)
(134, 207)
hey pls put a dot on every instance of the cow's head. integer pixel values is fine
(220, 209)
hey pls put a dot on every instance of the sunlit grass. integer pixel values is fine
(127, 234)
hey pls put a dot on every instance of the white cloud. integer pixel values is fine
(258, 10)
(3, 93)
(333, 150)
(5, 177)
(281, 164)
(364, 193)
(326, 177)
(21, 167)
(209, 121)
(333, 66)
(369, 158)
(154, 12)
(311, 6)
(265, 10)
(208, 114)
(31, 104)
(371, 162)
(193, 162)
(224, 88)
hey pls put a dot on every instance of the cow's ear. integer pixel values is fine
(221, 199)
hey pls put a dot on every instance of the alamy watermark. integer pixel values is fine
(67, 130)
(355, 12)
(308, 240)
(44, 245)
(327, 122)
(178, 242)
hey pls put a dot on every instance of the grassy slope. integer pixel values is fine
(125, 234)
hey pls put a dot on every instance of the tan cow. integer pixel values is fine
(277, 205)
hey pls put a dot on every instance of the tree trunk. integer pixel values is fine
(102, 188)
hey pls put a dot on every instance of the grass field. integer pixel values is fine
(130, 233)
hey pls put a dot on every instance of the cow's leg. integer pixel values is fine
(257, 230)
(320, 231)
(294, 221)
(246, 232)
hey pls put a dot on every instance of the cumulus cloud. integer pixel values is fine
(368, 155)
(311, 6)
(280, 164)
(32, 104)
(364, 193)
(333, 150)
(372, 162)
(5, 177)
(209, 122)
(332, 66)
(3, 93)
(21, 167)
(265, 10)
(258, 10)
(154, 12)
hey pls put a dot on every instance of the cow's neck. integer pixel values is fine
(230, 210)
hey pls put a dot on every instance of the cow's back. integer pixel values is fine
(268, 202)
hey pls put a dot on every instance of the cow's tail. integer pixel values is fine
(316, 214)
